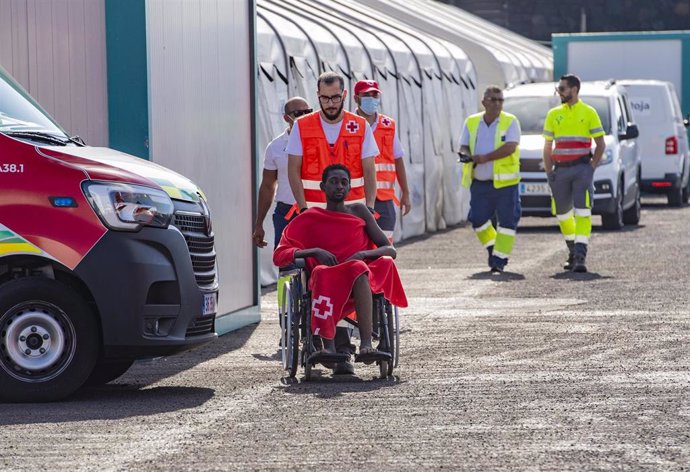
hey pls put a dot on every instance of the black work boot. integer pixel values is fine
(571, 254)
(580, 257)
(490, 250)
(579, 263)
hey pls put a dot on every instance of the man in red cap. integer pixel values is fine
(389, 163)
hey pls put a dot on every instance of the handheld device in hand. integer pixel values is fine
(464, 158)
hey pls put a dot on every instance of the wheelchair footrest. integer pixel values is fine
(370, 357)
(327, 357)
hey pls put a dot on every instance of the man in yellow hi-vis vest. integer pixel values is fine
(490, 141)
(570, 166)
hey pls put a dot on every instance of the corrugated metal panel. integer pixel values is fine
(199, 95)
(56, 50)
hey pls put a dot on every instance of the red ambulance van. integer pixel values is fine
(105, 258)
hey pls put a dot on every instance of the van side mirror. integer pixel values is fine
(631, 132)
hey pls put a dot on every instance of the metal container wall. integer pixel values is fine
(56, 51)
(200, 121)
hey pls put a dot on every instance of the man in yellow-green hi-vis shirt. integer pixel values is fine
(491, 139)
(570, 166)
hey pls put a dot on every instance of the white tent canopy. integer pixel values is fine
(427, 72)
(500, 56)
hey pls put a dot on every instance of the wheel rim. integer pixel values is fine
(37, 341)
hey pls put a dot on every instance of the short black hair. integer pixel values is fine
(328, 78)
(332, 167)
(572, 80)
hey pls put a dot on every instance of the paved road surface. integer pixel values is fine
(533, 370)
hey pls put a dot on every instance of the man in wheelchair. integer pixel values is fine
(348, 257)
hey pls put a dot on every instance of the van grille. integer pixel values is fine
(201, 247)
(531, 165)
(201, 326)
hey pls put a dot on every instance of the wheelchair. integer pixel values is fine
(298, 346)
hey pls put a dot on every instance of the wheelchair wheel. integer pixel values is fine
(393, 323)
(308, 344)
(307, 370)
(396, 338)
(382, 315)
(289, 327)
(384, 369)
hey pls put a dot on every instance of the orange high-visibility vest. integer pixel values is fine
(385, 162)
(317, 154)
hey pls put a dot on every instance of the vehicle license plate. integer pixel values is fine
(534, 188)
(210, 304)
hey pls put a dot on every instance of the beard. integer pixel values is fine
(335, 115)
(338, 198)
(566, 98)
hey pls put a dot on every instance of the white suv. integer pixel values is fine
(616, 179)
(663, 139)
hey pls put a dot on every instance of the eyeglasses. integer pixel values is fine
(561, 88)
(495, 99)
(335, 99)
(298, 113)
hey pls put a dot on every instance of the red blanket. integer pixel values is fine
(343, 235)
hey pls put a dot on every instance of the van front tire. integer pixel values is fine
(49, 340)
(631, 216)
(614, 221)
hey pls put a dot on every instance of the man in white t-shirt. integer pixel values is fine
(333, 136)
(274, 181)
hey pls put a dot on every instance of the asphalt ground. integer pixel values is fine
(536, 369)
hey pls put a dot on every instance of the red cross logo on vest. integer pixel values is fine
(352, 126)
(322, 307)
(385, 121)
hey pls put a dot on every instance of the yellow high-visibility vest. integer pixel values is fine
(506, 169)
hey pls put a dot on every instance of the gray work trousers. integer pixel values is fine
(571, 187)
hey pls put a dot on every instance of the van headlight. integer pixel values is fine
(607, 158)
(127, 207)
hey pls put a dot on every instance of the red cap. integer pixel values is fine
(364, 86)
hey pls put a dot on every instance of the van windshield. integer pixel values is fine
(531, 111)
(20, 113)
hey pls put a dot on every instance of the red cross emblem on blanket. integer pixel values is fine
(322, 307)
(352, 126)
(385, 121)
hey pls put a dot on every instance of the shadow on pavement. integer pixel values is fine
(502, 277)
(272, 358)
(580, 276)
(110, 402)
(147, 372)
(624, 229)
(548, 228)
(324, 385)
(656, 204)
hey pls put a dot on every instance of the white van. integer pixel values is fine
(616, 179)
(663, 138)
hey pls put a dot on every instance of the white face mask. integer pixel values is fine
(369, 105)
